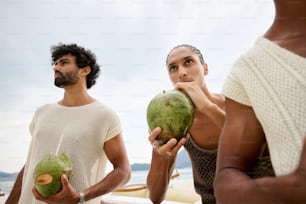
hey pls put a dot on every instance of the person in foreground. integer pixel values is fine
(265, 100)
(187, 70)
(90, 135)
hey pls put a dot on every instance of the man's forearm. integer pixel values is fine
(215, 113)
(16, 190)
(116, 178)
(233, 187)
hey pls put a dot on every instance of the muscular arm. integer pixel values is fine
(16, 191)
(240, 142)
(116, 153)
(159, 175)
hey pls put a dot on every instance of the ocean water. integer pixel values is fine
(141, 176)
(138, 177)
(6, 186)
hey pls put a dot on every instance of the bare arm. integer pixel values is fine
(16, 191)
(203, 101)
(162, 165)
(116, 153)
(159, 175)
(240, 143)
(216, 114)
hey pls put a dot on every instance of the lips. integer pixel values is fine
(58, 74)
(186, 80)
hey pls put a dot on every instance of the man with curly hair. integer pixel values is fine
(86, 130)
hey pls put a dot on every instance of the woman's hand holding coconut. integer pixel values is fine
(168, 149)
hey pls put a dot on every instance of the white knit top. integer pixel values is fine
(272, 80)
(85, 129)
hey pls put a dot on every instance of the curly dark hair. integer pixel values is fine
(83, 58)
(192, 48)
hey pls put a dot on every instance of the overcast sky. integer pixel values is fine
(131, 39)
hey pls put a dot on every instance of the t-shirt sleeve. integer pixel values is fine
(33, 121)
(114, 125)
(233, 85)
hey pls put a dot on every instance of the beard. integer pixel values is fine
(70, 78)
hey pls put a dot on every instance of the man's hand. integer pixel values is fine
(170, 148)
(66, 196)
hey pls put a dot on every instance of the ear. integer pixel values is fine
(205, 67)
(85, 71)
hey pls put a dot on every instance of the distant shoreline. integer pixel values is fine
(4, 176)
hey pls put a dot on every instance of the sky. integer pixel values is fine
(131, 40)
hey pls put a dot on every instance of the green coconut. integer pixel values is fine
(47, 173)
(172, 111)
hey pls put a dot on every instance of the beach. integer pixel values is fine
(3, 198)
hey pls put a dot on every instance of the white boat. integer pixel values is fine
(180, 191)
(2, 193)
(112, 199)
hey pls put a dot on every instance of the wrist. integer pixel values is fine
(207, 107)
(82, 198)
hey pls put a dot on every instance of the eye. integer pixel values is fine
(188, 61)
(63, 63)
(172, 68)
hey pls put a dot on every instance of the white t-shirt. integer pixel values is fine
(84, 130)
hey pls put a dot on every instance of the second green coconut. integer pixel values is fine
(172, 111)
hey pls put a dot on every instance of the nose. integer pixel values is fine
(56, 68)
(182, 72)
